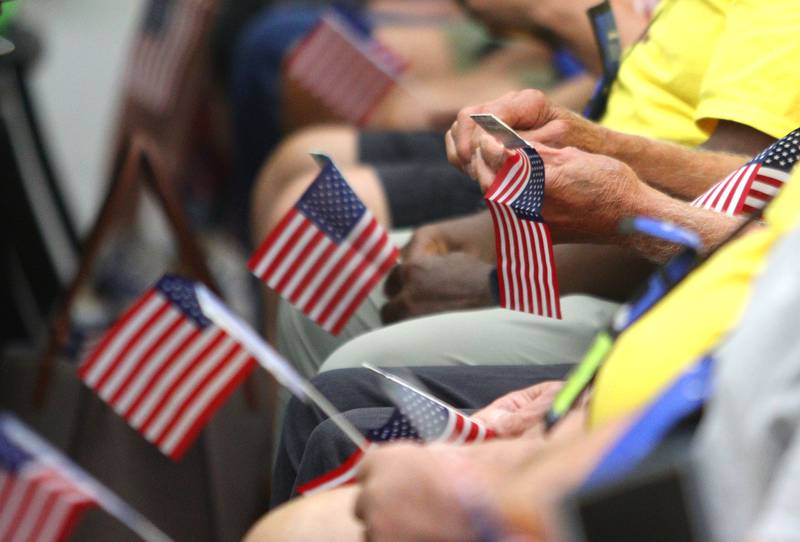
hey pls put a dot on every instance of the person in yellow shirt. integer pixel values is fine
(408, 492)
(714, 73)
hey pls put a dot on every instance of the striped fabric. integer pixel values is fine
(753, 185)
(525, 262)
(165, 367)
(171, 33)
(344, 67)
(327, 253)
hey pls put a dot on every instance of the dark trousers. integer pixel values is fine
(311, 445)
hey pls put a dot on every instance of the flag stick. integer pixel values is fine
(268, 358)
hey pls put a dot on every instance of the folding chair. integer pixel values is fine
(164, 86)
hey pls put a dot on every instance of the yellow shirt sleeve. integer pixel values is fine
(692, 319)
(753, 77)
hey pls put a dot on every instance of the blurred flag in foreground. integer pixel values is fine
(344, 67)
(165, 367)
(327, 253)
(525, 263)
(43, 494)
(753, 185)
(417, 416)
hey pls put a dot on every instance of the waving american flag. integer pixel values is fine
(171, 32)
(345, 67)
(37, 501)
(165, 367)
(525, 263)
(327, 253)
(43, 494)
(753, 185)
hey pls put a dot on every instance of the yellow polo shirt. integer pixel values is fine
(707, 60)
(692, 319)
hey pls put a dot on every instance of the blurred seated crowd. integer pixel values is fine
(703, 87)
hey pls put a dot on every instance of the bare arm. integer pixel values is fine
(565, 20)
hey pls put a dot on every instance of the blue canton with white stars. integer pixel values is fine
(331, 204)
(429, 418)
(12, 457)
(180, 292)
(398, 427)
(783, 154)
(528, 206)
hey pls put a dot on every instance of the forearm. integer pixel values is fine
(677, 170)
(532, 498)
(473, 234)
(710, 226)
(569, 22)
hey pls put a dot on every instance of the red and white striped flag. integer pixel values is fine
(43, 494)
(344, 67)
(752, 186)
(525, 262)
(327, 253)
(171, 31)
(37, 502)
(165, 367)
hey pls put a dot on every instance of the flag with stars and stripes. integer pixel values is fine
(165, 367)
(43, 493)
(171, 32)
(752, 186)
(327, 253)
(344, 67)
(525, 262)
(37, 501)
(418, 417)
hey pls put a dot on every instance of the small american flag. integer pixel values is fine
(417, 417)
(525, 263)
(344, 67)
(37, 501)
(752, 186)
(171, 32)
(165, 367)
(327, 253)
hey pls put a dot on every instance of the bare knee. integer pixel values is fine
(291, 158)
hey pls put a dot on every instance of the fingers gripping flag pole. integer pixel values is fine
(327, 253)
(43, 494)
(418, 416)
(753, 185)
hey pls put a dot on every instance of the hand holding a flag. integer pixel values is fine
(432, 284)
(587, 195)
(521, 411)
(410, 492)
(531, 113)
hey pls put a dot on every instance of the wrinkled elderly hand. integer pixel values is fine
(586, 195)
(533, 116)
(412, 492)
(521, 411)
(407, 494)
(429, 284)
